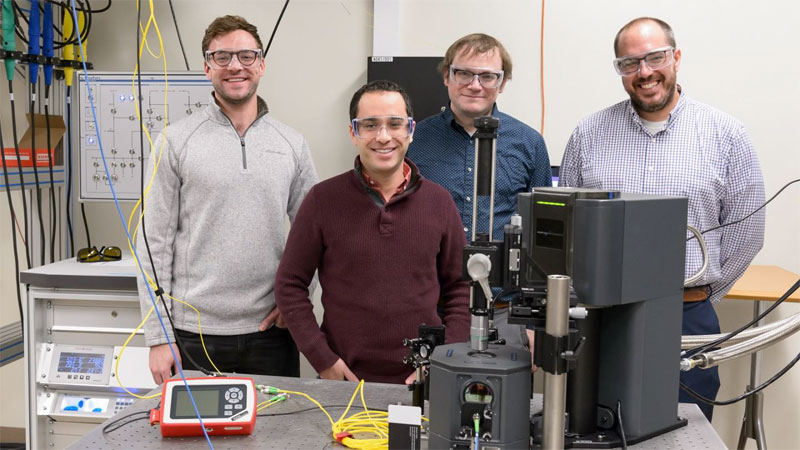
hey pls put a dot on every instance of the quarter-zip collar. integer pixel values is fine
(216, 113)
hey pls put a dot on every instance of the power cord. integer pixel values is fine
(19, 167)
(621, 426)
(13, 233)
(178, 32)
(115, 425)
(717, 342)
(746, 394)
(747, 216)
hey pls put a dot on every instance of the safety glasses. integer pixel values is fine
(91, 254)
(655, 59)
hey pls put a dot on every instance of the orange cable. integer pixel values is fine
(19, 230)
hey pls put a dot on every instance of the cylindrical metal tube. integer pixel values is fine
(479, 333)
(555, 386)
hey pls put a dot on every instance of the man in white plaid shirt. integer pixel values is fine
(662, 142)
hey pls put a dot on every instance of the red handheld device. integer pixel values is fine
(227, 406)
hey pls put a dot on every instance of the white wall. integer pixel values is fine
(737, 56)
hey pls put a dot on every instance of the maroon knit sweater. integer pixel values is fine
(382, 270)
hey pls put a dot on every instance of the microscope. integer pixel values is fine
(598, 274)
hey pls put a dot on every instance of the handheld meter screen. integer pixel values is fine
(207, 402)
(226, 406)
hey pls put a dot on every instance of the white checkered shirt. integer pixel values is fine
(701, 153)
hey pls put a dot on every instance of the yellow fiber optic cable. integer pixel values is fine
(365, 422)
(152, 20)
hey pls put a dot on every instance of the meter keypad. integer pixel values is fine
(234, 397)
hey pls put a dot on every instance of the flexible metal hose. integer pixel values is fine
(717, 357)
(688, 342)
(694, 278)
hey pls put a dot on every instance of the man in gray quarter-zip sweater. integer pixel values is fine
(225, 179)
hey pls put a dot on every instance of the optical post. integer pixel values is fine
(599, 276)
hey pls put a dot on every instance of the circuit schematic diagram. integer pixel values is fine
(115, 101)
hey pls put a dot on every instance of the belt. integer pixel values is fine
(696, 293)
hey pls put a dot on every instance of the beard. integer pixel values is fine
(219, 92)
(235, 100)
(640, 105)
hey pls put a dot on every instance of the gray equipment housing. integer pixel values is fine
(455, 373)
(626, 255)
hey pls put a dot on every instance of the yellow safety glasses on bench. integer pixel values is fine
(89, 255)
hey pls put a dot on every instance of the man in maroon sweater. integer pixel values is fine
(387, 244)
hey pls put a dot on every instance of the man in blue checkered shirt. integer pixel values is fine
(663, 142)
(475, 70)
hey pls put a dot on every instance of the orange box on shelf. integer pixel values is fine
(43, 154)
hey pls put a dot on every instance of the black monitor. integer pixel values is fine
(417, 75)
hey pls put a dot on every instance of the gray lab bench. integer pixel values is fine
(311, 429)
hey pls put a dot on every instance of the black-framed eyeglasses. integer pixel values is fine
(655, 59)
(92, 254)
(223, 58)
(398, 127)
(487, 77)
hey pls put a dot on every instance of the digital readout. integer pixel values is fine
(89, 363)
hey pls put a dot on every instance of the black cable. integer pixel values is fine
(52, 179)
(73, 38)
(178, 32)
(621, 426)
(19, 166)
(89, 10)
(86, 226)
(747, 216)
(13, 234)
(34, 161)
(717, 342)
(159, 291)
(275, 29)
(746, 394)
(17, 29)
(135, 416)
(87, 14)
(68, 162)
(85, 9)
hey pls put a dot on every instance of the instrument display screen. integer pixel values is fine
(207, 401)
(87, 363)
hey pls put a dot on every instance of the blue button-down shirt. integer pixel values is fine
(700, 153)
(445, 154)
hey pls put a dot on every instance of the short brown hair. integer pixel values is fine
(476, 43)
(380, 86)
(226, 24)
(664, 27)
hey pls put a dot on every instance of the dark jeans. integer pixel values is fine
(700, 318)
(270, 352)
